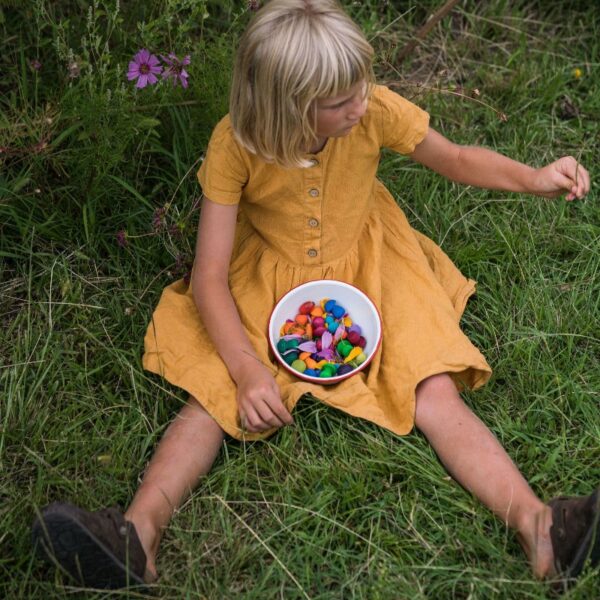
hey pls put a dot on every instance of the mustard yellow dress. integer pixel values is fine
(332, 220)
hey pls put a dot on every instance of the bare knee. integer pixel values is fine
(437, 385)
(193, 414)
(430, 393)
(192, 409)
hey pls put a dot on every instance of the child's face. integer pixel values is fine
(336, 116)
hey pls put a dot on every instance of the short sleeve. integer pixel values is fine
(224, 172)
(403, 124)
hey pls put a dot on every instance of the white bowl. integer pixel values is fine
(357, 304)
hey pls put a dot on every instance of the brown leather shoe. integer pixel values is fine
(99, 549)
(575, 536)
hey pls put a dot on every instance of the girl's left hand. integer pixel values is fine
(563, 175)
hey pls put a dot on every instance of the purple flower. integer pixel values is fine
(253, 5)
(35, 64)
(159, 219)
(122, 238)
(175, 230)
(175, 69)
(180, 262)
(144, 67)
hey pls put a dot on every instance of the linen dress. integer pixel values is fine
(332, 220)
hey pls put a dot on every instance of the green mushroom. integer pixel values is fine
(290, 358)
(299, 365)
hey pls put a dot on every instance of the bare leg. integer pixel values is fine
(475, 458)
(185, 453)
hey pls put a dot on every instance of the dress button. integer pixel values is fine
(313, 222)
(314, 192)
(312, 253)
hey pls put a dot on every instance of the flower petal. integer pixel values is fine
(142, 56)
(308, 347)
(153, 61)
(326, 340)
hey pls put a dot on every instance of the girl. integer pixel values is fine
(290, 195)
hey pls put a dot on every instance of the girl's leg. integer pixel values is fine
(185, 453)
(475, 458)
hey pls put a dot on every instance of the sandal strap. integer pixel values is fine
(122, 538)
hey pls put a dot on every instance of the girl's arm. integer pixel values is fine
(485, 168)
(258, 397)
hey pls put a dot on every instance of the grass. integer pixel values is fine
(333, 507)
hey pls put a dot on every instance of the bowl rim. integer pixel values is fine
(337, 378)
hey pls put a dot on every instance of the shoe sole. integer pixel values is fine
(63, 541)
(590, 547)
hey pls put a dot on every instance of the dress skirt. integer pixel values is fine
(420, 295)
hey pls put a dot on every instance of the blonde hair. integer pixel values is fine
(293, 52)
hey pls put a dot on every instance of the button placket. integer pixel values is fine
(312, 212)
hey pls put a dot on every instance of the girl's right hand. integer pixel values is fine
(259, 401)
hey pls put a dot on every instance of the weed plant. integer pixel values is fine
(332, 507)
